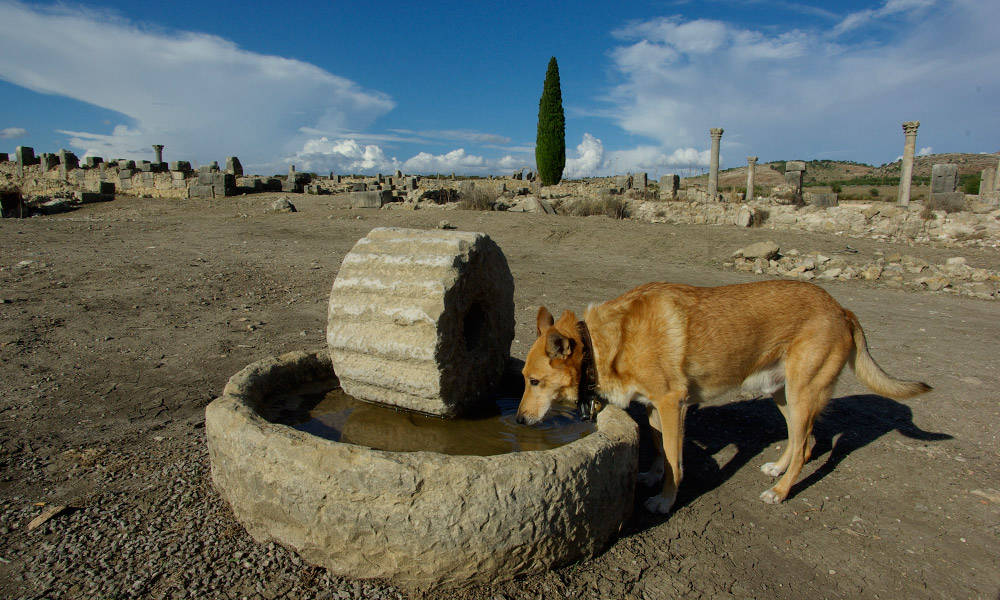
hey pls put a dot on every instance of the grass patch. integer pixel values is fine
(607, 204)
(478, 199)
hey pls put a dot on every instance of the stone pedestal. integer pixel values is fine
(794, 174)
(422, 320)
(751, 167)
(987, 180)
(713, 169)
(234, 167)
(906, 169)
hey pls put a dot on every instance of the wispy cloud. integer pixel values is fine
(200, 95)
(860, 18)
(466, 135)
(12, 132)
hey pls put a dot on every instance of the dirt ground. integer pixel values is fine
(131, 315)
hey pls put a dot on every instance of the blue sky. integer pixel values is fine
(454, 86)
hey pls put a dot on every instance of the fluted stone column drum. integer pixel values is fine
(421, 319)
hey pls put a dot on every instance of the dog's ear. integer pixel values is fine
(543, 320)
(558, 346)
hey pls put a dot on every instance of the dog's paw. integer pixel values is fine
(659, 504)
(770, 497)
(651, 477)
(772, 469)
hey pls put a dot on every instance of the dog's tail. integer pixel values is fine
(871, 374)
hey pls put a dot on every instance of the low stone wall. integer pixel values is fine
(871, 220)
(893, 270)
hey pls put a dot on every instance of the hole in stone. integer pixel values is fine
(474, 327)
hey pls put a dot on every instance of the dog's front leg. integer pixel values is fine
(671, 409)
(655, 473)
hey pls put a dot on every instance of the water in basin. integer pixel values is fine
(326, 411)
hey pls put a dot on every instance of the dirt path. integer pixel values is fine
(131, 315)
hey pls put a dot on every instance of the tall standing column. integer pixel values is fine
(906, 172)
(751, 167)
(713, 168)
(158, 149)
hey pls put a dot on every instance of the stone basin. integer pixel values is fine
(421, 520)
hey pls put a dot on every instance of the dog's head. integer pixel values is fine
(552, 368)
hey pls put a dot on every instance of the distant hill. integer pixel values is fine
(824, 172)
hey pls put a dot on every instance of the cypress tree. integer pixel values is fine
(550, 143)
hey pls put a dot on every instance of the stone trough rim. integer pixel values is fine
(616, 432)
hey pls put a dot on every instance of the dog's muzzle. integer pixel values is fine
(588, 407)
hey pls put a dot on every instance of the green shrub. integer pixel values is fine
(970, 183)
(836, 188)
(873, 192)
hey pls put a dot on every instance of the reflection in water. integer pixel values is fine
(334, 415)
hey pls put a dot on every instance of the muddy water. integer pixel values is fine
(332, 414)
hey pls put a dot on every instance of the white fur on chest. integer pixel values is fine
(619, 396)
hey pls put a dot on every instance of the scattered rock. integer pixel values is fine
(50, 512)
(282, 205)
(765, 250)
(445, 224)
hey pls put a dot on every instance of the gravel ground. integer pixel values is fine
(129, 317)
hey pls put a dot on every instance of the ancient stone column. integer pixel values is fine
(906, 172)
(713, 169)
(158, 149)
(751, 167)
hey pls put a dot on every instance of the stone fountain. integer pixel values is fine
(421, 321)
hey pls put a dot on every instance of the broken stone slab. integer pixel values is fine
(821, 199)
(282, 205)
(795, 165)
(25, 155)
(422, 320)
(373, 199)
(182, 166)
(765, 250)
(421, 520)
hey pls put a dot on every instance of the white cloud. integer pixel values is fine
(341, 156)
(590, 156)
(201, 96)
(455, 161)
(12, 132)
(925, 151)
(593, 160)
(794, 93)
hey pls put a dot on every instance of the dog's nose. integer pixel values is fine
(520, 419)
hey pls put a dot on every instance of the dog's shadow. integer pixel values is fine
(753, 426)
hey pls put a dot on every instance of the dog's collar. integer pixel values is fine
(588, 399)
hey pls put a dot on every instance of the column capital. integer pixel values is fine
(157, 146)
(716, 132)
(752, 160)
(910, 127)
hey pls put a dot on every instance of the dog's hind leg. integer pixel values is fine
(671, 409)
(777, 468)
(655, 473)
(810, 382)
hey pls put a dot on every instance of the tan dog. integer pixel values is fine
(669, 346)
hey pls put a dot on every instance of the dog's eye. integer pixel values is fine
(533, 381)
